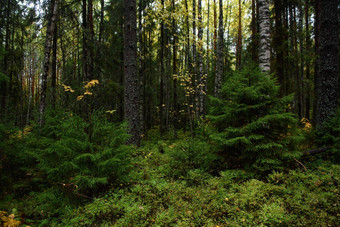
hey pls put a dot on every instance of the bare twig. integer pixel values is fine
(301, 164)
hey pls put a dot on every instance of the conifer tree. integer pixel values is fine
(130, 71)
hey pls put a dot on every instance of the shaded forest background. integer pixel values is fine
(125, 99)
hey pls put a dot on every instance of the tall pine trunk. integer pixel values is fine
(308, 46)
(161, 100)
(174, 64)
(54, 66)
(130, 71)
(201, 79)
(317, 9)
(253, 31)
(328, 62)
(220, 59)
(239, 37)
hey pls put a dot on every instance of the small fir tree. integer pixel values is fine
(253, 126)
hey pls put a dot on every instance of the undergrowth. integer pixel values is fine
(243, 168)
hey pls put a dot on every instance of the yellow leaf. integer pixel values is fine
(110, 111)
(87, 93)
(8, 221)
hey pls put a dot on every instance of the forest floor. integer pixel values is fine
(166, 188)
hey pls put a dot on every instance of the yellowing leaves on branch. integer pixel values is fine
(87, 87)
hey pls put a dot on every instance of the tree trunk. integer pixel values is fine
(220, 65)
(6, 58)
(264, 30)
(329, 65)
(214, 42)
(161, 101)
(101, 25)
(253, 32)
(189, 65)
(201, 79)
(308, 46)
(317, 59)
(239, 37)
(85, 42)
(279, 46)
(141, 67)
(302, 61)
(174, 64)
(90, 43)
(47, 53)
(208, 62)
(54, 65)
(130, 71)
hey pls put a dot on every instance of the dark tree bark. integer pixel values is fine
(207, 63)
(302, 61)
(101, 25)
(141, 67)
(189, 65)
(194, 79)
(308, 46)
(90, 43)
(253, 32)
(328, 62)
(174, 64)
(85, 41)
(6, 58)
(201, 79)
(130, 71)
(279, 45)
(47, 53)
(220, 60)
(161, 100)
(54, 65)
(317, 59)
(239, 37)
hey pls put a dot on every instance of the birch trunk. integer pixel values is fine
(264, 30)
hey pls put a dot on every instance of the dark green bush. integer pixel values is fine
(253, 127)
(68, 154)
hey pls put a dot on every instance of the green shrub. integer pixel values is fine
(189, 155)
(252, 125)
(67, 154)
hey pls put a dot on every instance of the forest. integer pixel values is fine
(169, 113)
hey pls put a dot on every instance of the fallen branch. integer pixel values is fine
(71, 187)
(315, 151)
(301, 164)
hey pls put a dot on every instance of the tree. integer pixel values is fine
(264, 30)
(174, 64)
(328, 89)
(201, 79)
(48, 45)
(220, 61)
(239, 37)
(161, 92)
(130, 71)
